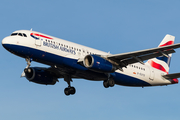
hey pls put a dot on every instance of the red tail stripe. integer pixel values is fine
(168, 43)
(157, 66)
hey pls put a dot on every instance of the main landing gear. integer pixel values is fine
(108, 83)
(69, 90)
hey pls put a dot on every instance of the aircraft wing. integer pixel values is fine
(139, 56)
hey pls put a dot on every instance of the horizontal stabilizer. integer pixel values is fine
(172, 76)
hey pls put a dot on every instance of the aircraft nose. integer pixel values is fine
(5, 41)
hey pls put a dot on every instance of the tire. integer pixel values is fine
(111, 82)
(106, 84)
(72, 90)
(67, 91)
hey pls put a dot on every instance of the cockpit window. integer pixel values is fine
(13, 34)
(24, 35)
(19, 34)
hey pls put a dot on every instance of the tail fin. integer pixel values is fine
(162, 63)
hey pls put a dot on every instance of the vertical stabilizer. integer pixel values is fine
(162, 63)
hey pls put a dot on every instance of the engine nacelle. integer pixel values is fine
(99, 64)
(39, 76)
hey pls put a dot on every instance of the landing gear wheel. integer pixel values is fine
(72, 90)
(106, 84)
(66, 91)
(27, 70)
(111, 82)
(69, 90)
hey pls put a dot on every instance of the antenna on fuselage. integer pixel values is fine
(31, 29)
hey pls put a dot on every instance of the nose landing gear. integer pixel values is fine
(28, 60)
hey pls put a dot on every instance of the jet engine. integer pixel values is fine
(98, 64)
(37, 75)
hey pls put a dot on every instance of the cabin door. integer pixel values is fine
(38, 41)
(151, 77)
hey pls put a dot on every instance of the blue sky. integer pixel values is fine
(109, 25)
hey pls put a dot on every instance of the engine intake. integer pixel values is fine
(39, 76)
(99, 64)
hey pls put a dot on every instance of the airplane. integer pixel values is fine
(68, 60)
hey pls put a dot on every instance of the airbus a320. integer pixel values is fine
(69, 61)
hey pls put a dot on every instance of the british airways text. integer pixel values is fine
(51, 45)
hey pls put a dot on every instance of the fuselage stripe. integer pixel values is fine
(39, 35)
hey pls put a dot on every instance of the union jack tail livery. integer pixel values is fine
(163, 62)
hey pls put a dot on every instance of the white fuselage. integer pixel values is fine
(59, 47)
